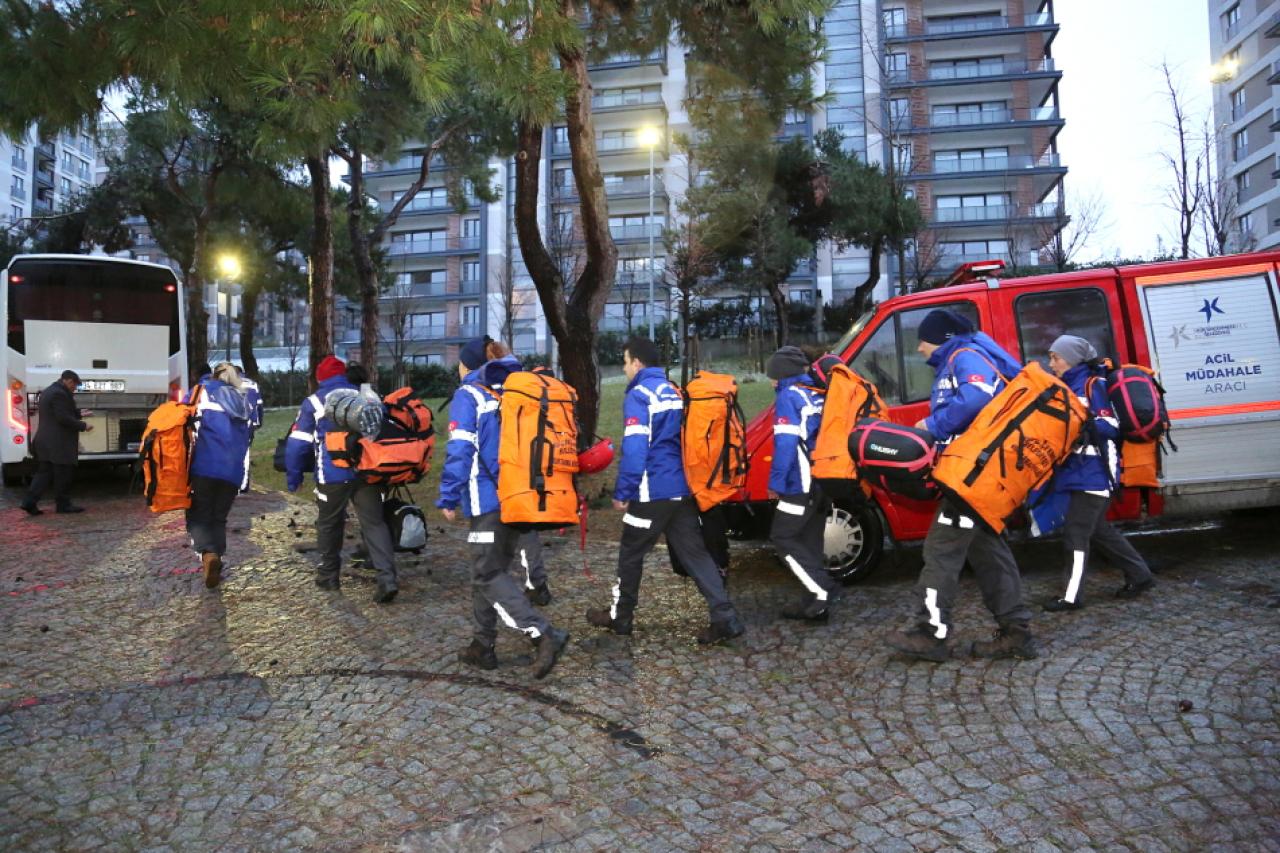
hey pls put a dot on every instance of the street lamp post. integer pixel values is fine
(229, 266)
(649, 137)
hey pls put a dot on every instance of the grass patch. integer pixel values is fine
(753, 396)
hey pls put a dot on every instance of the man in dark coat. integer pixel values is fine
(57, 444)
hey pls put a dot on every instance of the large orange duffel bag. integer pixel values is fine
(850, 398)
(538, 452)
(1012, 446)
(713, 438)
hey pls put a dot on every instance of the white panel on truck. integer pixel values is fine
(1216, 346)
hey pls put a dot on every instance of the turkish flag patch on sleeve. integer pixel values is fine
(1106, 413)
(632, 422)
(453, 425)
(782, 421)
(976, 377)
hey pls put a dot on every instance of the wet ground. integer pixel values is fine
(140, 711)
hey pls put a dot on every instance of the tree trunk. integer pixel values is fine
(684, 332)
(782, 335)
(321, 262)
(863, 292)
(573, 322)
(197, 315)
(362, 259)
(248, 330)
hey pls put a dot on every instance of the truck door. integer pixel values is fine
(1214, 338)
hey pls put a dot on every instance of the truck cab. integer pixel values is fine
(1210, 327)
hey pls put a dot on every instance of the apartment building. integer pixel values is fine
(1244, 42)
(972, 115)
(42, 175)
(964, 93)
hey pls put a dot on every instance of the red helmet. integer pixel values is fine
(596, 458)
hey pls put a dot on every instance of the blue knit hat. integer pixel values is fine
(473, 355)
(939, 325)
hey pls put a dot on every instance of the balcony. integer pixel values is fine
(1274, 79)
(1239, 151)
(982, 119)
(42, 205)
(609, 145)
(406, 165)
(44, 178)
(1238, 111)
(636, 233)
(617, 101)
(18, 162)
(1275, 121)
(968, 25)
(980, 165)
(427, 204)
(1231, 30)
(953, 73)
(440, 246)
(45, 151)
(637, 187)
(631, 60)
(1272, 28)
(949, 216)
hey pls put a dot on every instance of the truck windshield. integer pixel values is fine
(89, 290)
(858, 325)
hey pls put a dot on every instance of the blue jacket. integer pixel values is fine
(307, 437)
(254, 398)
(967, 371)
(797, 414)
(221, 433)
(652, 467)
(470, 475)
(1086, 469)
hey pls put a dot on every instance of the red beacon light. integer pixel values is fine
(17, 279)
(171, 288)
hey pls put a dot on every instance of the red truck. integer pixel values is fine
(1210, 328)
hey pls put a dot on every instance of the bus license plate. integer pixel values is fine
(102, 385)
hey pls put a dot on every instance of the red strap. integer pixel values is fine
(980, 355)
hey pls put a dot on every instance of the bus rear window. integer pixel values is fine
(90, 291)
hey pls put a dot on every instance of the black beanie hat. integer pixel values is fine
(788, 361)
(939, 325)
(473, 354)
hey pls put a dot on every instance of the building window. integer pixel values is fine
(15, 212)
(1242, 183)
(882, 360)
(895, 22)
(471, 228)
(980, 112)
(895, 65)
(471, 271)
(1240, 144)
(1237, 104)
(64, 184)
(973, 207)
(902, 157)
(560, 137)
(1246, 225)
(1231, 22)
(955, 69)
(899, 112)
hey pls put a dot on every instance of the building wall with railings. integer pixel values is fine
(1244, 46)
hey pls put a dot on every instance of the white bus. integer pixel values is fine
(119, 324)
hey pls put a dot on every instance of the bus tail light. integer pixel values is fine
(175, 391)
(16, 411)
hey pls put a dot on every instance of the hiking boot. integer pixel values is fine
(920, 642)
(539, 595)
(1008, 641)
(718, 632)
(600, 618)
(31, 509)
(479, 655)
(808, 609)
(550, 645)
(1133, 590)
(386, 593)
(327, 582)
(1057, 605)
(212, 565)
(69, 508)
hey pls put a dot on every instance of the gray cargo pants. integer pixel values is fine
(494, 593)
(529, 560)
(1086, 524)
(332, 500)
(953, 537)
(642, 525)
(799, 525)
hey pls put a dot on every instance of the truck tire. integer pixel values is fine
(853, 540)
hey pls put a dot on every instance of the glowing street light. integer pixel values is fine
(229, 266)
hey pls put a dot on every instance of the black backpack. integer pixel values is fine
(406, 522)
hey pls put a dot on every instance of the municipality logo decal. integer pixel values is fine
(1178, 335)
(1210, 308)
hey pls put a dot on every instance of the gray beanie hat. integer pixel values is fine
(1073, 350)
(788, 361)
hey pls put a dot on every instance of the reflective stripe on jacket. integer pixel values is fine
(797, 414)
(652, 468)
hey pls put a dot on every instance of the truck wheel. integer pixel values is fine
(853, 541)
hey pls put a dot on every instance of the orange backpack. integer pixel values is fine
(1140, 464)
(538, 452)
(850, 398)
(713, 439)
(401, 452)
(1012, 446)
(167, 442)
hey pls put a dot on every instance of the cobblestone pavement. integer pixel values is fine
(140, 711)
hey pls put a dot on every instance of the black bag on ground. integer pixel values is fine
(406, 522)
(894, 457)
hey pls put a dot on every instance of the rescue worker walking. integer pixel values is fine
(800, 515)
(470, 480)
(970, 369)
(219, 458)
(57, 445)
(336, 488)
(652, 492)
(1089, 475)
